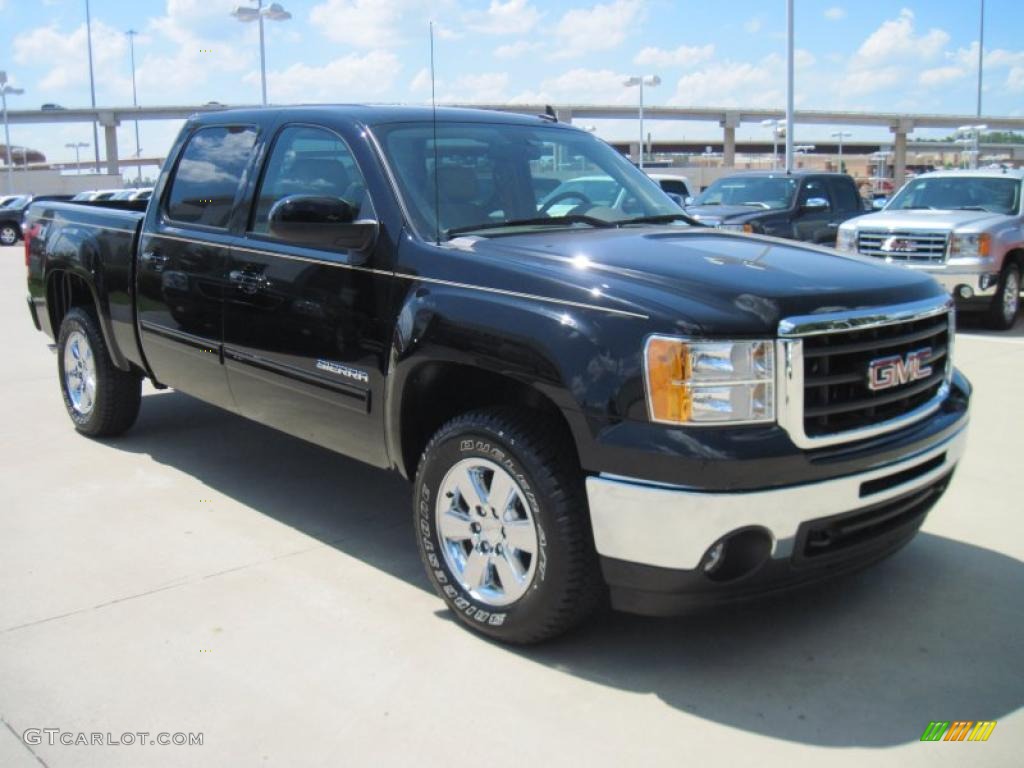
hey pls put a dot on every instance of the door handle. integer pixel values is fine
(248, 280)
(155, 260)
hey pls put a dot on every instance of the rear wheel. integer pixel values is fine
(1002, 313)
(501, 521)
(101, 399)
(8, 234)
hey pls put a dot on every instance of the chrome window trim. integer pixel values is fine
(789, 362)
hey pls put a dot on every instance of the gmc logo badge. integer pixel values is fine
(895, 371)
(898, 245)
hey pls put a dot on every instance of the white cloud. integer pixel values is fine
(896, 40)
(835, 13)
(516, 49)
(683, 56)
(940, 76)
(736, 83)
(483, 87)
(514, 17)
(580, 86)
(601, 27)
(65, 58)
(1015, 79)
(420, 82)
(355, 77)
(359, 23)
(752, 25)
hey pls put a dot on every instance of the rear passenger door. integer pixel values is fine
(305, 328)
(813, 225)
(183, 257)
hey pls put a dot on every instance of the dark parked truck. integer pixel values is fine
(801, 205)
(603, 403)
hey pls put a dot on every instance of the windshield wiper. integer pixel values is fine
(557, 221)
(660, 218)
(970, 208)
(917, 208)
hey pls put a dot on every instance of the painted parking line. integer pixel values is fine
(982, 337)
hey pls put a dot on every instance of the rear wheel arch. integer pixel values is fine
(66, 289)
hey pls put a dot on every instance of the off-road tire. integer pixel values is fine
(567, 586)
(118, 393)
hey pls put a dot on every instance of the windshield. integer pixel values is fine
(952, 193)
(757, 191)
(502, 178)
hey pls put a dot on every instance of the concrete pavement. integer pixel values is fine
(205, 574)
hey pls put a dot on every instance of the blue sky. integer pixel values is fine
(892, 56)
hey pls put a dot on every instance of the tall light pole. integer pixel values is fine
(789, 85)
(274, 12)
(642, 80)
(5, 89)
(131, 33)
(92, 83)
(78, 162)
(840, 135)
(777, 130)
(973, 132)
(981, 50)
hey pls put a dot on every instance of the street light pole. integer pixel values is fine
(78, 162)
(642, 80)
(789, 86)
(5, 89)
(92, 83)
(131, 33)
(981, 50)
(776, 126)
(840, 135)
(274, 12)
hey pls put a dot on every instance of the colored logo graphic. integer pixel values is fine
(958, 730)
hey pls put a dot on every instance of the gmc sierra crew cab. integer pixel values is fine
(800, 205)
(599, 404)
(964, 228)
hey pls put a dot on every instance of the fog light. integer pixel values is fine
(965, 292)
(737, 554)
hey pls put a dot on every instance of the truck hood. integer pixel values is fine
(925, 219)
(713, 214)
(696, 279)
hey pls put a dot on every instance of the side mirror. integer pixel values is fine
(688, 200)
(676, 198)
(879, 203)
(321, 222)
(815, 204)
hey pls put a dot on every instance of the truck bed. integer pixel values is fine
(96, 243)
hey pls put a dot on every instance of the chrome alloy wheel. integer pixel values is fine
(487, 531)
(79, 373)
(1011, 295)
(8, 235)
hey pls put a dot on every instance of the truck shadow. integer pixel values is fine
(973, 324)
(930, 634)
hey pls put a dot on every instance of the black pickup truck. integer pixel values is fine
(603, 403)
(801, 205)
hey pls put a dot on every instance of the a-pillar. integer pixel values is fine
(899, 150)
(732, 119)
(110, 124)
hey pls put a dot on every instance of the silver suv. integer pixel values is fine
(965, 228)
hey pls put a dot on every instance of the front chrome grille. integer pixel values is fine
(826, 362)
(907, 246)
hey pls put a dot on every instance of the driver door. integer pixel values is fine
(812, 224)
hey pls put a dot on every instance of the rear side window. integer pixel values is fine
(674, 186)
(208, 175)
(845, 195)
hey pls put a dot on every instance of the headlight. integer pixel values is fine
(736, 227)
(846, 239)
(970, 245)
(709, 382)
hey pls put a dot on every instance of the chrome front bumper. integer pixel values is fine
(981, 284)
(673, 527)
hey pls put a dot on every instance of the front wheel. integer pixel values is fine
(8, 234)
(101, 399)
(502, 526)
(1002, 313)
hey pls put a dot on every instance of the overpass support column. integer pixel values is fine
(732, 119)
(110, 124)
(899, 156)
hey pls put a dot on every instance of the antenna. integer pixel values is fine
(437, 168)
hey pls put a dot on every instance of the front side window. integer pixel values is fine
(754, 191)
(208, 174)
(960, 193)
(507, 177)
(814, 189)
(309, 161)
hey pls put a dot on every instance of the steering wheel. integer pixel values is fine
(567, 195)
